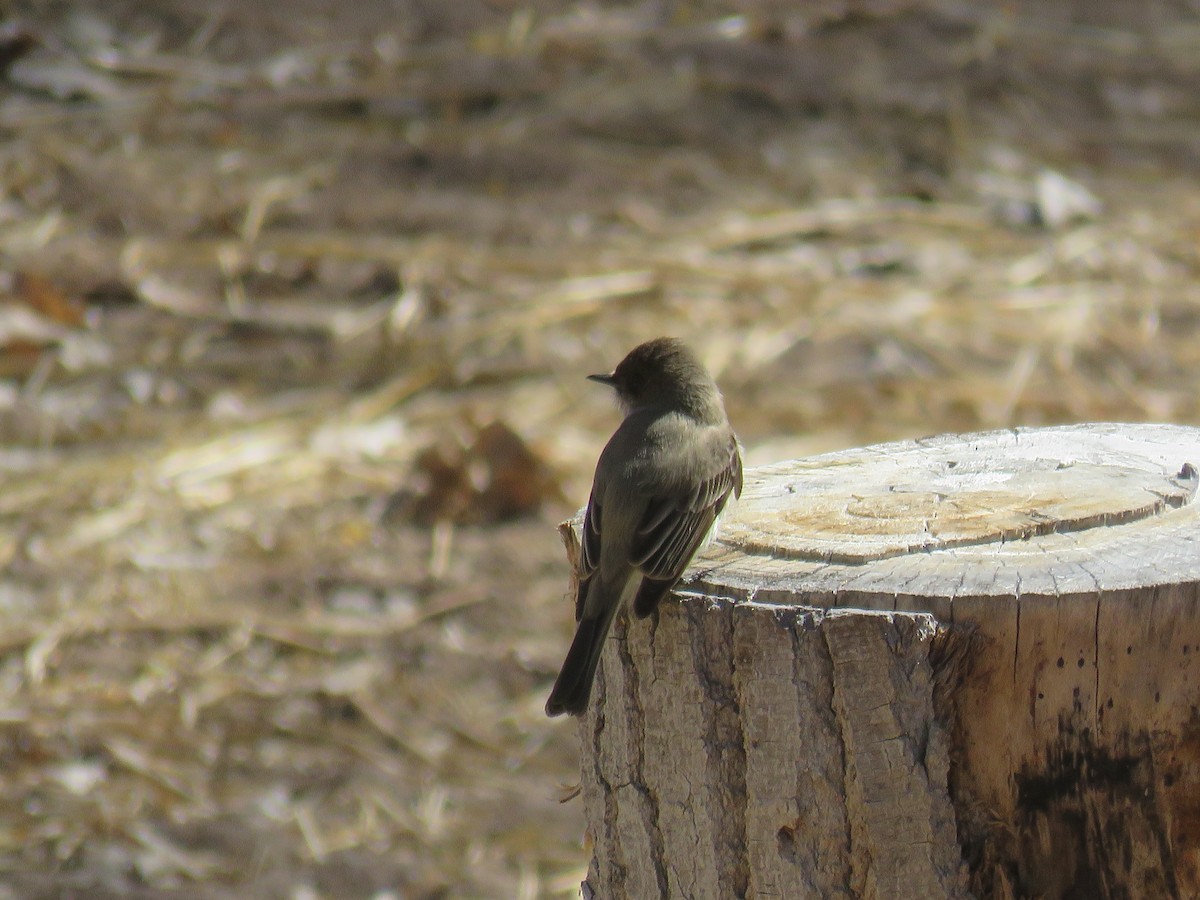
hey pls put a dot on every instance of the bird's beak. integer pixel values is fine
(603, 379)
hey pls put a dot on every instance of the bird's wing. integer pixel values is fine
(589, 551)
(674, 525)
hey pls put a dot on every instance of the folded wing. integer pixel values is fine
(673, 528)
(589, 551)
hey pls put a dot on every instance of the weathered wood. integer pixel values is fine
(951, 666)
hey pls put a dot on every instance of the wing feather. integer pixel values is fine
(674, 526)
(589, 551)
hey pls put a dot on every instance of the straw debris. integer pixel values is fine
(295, 306)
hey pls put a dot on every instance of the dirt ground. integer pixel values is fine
(296, 301)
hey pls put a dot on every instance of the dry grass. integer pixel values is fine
(294, 312)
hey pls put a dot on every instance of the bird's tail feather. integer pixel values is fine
(574, 684)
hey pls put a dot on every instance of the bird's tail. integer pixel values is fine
(574, 684)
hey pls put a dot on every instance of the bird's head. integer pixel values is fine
(663, 372)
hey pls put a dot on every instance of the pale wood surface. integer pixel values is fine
(1007, 512)
(918, 668)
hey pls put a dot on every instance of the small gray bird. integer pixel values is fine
(662, 480)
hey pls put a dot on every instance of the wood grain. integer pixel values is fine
(966, 663)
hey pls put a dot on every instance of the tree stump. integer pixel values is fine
(953, 667)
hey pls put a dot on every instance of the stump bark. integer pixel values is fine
(961, 666)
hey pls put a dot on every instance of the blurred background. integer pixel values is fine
(296, 304)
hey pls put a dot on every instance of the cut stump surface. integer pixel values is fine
(961, 664)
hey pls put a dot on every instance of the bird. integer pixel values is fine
(662, 481)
